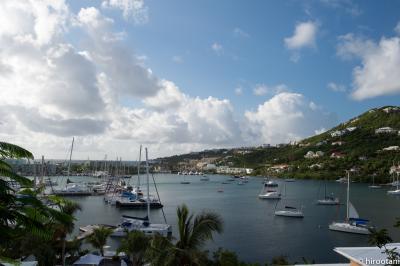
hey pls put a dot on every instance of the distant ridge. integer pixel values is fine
(368, 144)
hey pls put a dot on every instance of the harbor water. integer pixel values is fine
(250, 227)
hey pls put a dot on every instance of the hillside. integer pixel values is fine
(353, 144)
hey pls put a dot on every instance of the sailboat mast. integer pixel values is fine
(138, 165)
(148, 186)
(70, 156)
(348, 195)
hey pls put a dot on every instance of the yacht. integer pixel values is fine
(130, 223)
(353, 224)
(270, 194)
(397, 190)
(328, 200)
(270, 183)
(290, 212)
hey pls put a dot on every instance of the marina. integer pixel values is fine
(268, 235)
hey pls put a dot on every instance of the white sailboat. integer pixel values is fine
(130, 223)
(397, 190)
(328, 200)
(353, 224)
(289, 211)
(373, 186)
(71, 188)
(270, 194)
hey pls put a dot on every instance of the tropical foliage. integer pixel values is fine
(98, 238)
(30, 223)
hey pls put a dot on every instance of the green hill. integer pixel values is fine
(355, 143)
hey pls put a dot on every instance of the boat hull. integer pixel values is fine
(292, 214)
(138, 205)
(349, 228)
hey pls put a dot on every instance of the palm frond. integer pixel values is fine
(8, 150)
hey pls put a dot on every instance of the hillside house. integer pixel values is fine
(385, 130)
(337, 155)
(279, 168)
(337, 133)
(391, 148)
(389, 110)
(337, 143)
(316, 166)
(311, 154)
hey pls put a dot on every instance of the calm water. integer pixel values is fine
(250, 227)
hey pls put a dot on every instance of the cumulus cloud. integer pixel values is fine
(286, 117)
(304, 36)
(97, 88)
(135, 10)
(377, 73)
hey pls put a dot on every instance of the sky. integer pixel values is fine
(182, 76)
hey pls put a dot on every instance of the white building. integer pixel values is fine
(391, 148)
(384, 130)
(311, 154)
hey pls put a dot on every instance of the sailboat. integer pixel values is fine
(353, 224)
(289, 211)
(397, 190)
(373, 183)
(271, 194)
(184, 181)
(71, 188)
(130, 223)
(328, 200)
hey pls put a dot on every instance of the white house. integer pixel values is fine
(385, 130)
(337, 133)
(311, 154)
(391, 148)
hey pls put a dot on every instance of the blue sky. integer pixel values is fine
(179, 76)
(187, 29)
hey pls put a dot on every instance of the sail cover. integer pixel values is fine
(352, 212)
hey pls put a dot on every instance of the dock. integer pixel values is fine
(87, 230)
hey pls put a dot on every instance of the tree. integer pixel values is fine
(194, 231)
(135, 244)
(380, 238)
(99, 238)
(24, 216)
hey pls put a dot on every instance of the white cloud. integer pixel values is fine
(98, 89)
(378, 73)
(262, 89)
(238, 32)
(336, 87)
(217, 48)
(131, 9)
(397, 28)
(286, 117)
(304, 36)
